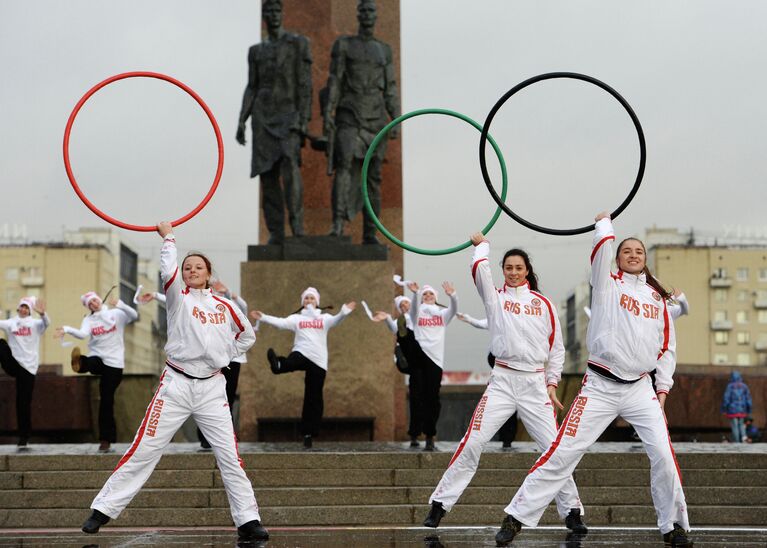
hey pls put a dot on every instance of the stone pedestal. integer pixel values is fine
(362, 380)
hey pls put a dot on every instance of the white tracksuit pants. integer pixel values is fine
(599, 402)
(508, 391)
(176, 398)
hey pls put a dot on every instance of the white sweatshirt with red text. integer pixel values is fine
(24, 339)
(205, 332)
(106, 329)
(524, 326)
(311, 327)
(630, 332)
(429, 324)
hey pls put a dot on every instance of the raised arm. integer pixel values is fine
(480, 273)
(472, 321)
(249, 95)
(169, 271)
(602, 253)
(82, 333)
(128, 314)
(346, 309)
(279, 323)
(452, 305)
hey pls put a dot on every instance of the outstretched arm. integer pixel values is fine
(602, 252)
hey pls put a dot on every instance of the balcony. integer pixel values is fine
(31, 281)
(720, 282)
(760, 346)
(760, 304)
(721, 325)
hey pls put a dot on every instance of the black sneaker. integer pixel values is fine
(274, 361)
(506, 445)
(676, 537)
(429, 445)
(93, 523)
(205, 445)
(23, 440)
(307, 442)
(509, 529)
(414, 442)
(574, 522)
(253, 530)
(436, 513)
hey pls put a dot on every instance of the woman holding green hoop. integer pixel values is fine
(429, 324)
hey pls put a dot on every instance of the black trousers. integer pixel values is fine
(427, 390)
(25, 384)
(232, 375)
(314, 381)
(409, 347)
(508, 431)
(111, 377)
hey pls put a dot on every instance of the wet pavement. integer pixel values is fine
(363, 537)
(381, 447)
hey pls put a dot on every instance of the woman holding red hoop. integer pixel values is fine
(526, 341)
(630, 334)
(205, 333)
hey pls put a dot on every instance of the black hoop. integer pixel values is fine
(550, 76)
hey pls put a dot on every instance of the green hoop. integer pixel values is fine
(369, 155)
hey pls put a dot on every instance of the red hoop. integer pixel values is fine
(97, 211)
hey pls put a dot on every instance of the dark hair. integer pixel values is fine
(532, 277)
(204, 259)
(651, 280)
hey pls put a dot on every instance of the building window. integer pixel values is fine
(743, 358)
(741, 316)
(762, 316)
(743, 295)
(128, 274)
(721, 337)
(720, 295)
(720, 273)
(742, 274)
(12, 274)
(720, 316)
(744, 337)
(721, 359)
(763, 274)
(761, 294)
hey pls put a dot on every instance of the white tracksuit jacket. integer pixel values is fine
(24, 339)
(630, 332)
(524, 326)
(239, 301)
(429, 323)
(106, 329)
(220, 333)
(311, 327)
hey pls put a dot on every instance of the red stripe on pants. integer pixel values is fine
(141, 429)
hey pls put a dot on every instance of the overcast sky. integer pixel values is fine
(692, 70)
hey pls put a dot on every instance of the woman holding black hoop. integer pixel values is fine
(526, 340)
(629, 335)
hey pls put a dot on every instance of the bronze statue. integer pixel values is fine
(278, 101)
(361, 99)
